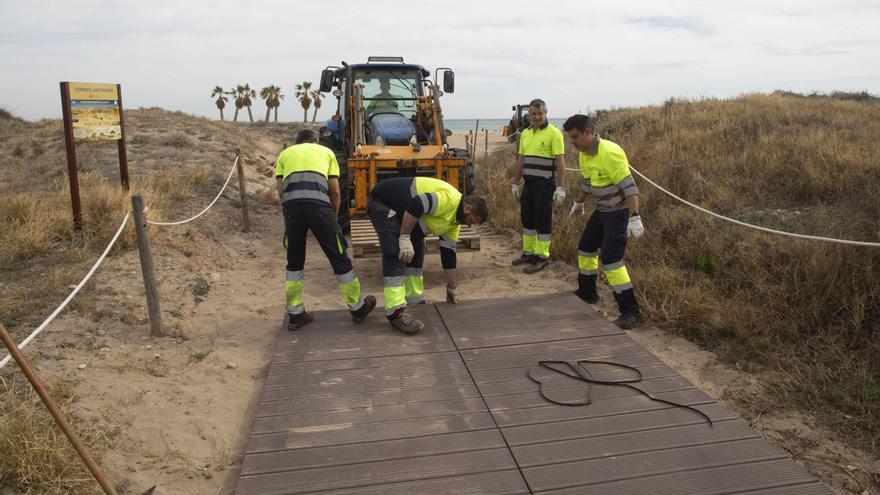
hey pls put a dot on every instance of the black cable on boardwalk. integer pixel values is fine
(578, 371)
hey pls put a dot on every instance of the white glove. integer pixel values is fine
(559, 195)
(516, 189)
(577, 208)
(635, 228)
(451, 296)
(407, 251)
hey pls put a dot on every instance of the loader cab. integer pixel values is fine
(390, 91)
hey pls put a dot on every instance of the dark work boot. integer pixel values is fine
(298, 321)
(361, 314)
(629, 321)
(536, 266)
(588, 297)
(402, 321)
(522, 260)
(626, 302)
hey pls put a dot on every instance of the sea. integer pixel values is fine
(464, 125)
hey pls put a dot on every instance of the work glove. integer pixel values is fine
(407, 251)
(577, 208)
(516, 189)
(559, 195)
(451, 296)
(635, 228)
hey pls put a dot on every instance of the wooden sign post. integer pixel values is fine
(91, 112)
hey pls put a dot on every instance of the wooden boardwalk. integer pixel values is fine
(362, 409)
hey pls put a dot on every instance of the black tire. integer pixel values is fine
(466, 175)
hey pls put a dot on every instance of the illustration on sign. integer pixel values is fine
(94, 109)
(95, 120)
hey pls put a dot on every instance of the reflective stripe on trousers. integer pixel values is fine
(542, 246)
(414, 285)
(588, 263)
(350, 287)
(530, 238)
(395, 294)
(293, 287)
(617, 276)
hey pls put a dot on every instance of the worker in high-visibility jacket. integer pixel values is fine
(308, 185)
(403, 210)
(540, 163)
(605, 173)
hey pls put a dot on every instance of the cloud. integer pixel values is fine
(673, 23)
(577, 54)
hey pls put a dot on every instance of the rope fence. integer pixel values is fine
(231, 172)
(103, 256)
(72, 294)
(748, 225)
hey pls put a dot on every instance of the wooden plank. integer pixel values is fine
(348, 433)
(341, 455)
(630, 443)
(364, 398)
(365, 242)
(781, 475)
(493, 483)
(617, 468)
(366, 415)
(375, 472)
(609, 426)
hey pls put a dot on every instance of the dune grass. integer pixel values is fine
(807, 310)
(35, 456)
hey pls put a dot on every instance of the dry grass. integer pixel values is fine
(807, 309)
(35, 456)
(177, 163)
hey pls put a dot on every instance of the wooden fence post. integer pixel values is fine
(487, 142)
(143, 240)
(242, 191)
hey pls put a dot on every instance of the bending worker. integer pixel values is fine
(540, 162)
(403, 211)
(605, 173)
(308, 184)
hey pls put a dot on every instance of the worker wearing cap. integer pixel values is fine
(403, 210)
(540, 163)
(308, 185)
(605, 173)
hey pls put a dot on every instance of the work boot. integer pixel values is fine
(360, 315)
(298, 321)
(402, 321)
(587, 297)
(628, 322)
(536, 266)
(522, 260)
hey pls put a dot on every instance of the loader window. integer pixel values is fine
(389, 91)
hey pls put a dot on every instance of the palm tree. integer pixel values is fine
(239, 101)
(278, 98)
(302, 94)
(221, 100)
(272, 95)
(316, 97)
(247, 94)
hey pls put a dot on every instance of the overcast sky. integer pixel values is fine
(577, 55)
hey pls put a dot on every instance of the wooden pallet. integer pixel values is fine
(365, 242)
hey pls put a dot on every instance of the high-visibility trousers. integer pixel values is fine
(536, 213)
(403, 283)
(299, 218)
(601, 247)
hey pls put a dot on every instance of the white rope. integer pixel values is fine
(757, 227)
(70, 297)
(208, 207)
